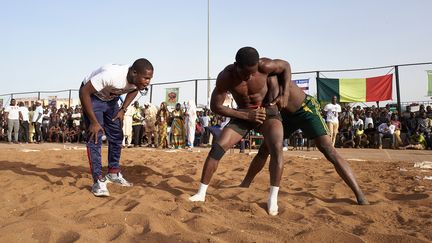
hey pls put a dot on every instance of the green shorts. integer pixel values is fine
(242, 127)
(307, 118)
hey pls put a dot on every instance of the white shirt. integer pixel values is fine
(13, 112)
(76, 121)
(332, 112)
(25, 113)
(36, 113)
(367, 121)
(110, 81)
(384, 128)
(356, 124)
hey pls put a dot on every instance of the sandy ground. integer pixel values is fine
(45, 197)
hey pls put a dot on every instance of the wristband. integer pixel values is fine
(124, 109)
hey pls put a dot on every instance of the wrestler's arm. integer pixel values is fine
(282, 70)
(218, 97)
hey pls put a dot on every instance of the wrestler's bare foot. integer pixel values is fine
(362, 201)
(245, 184)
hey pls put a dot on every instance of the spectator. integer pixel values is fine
(424, 126)
(178, 127)
(24, 126)
(361, 139)
(13, 114)
(368, 119)
(162, 123)
(37, 121)
(46, 123)
(385, 130)
(190, 119)
(332, 118)
(151, 129)
(128, 126)
(411, 124)
(371, 132)
(137, 126)
(397, 141)
(416, 141)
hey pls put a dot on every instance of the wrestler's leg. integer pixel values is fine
(272, 131)
(227, 139)
(324, 144)
(256, 165)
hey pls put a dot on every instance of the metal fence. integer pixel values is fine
(196, 89)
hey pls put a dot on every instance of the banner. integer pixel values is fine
(356, 90)
(429, 73)
(303, 84)
(1, 103)
(171, 97)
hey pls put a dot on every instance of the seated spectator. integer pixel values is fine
(416, 141)
(385, 130)
(424, 126)
(361, 139)
(54, 133)
(397, 141)
(370, 133)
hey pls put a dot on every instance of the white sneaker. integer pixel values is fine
(99, 189)
(117, 178)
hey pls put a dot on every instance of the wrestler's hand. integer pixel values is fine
(281, 101)
(257, 115)
(94, 130)
(120, 115)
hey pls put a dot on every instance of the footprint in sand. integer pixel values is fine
(405, 197)
(70, 236)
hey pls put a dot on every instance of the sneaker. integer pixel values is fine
(99, 189)
(117, 178)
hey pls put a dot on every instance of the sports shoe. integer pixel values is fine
(99, 189)
(117, 178)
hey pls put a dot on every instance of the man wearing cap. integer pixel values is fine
(99, 95)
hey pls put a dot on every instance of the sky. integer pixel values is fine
(52, 45)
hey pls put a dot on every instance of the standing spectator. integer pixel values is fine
(332, 118)
(190, 119)
(205, 122)
(151, 130)
(76, 116)
(162, 122)
(37, 121)
(46, 124)
(137, 126)
(13, 114)
(385, 130)
(127, 127)
(178, 127)
(24, 126)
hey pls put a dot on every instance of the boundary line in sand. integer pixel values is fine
(387, 153)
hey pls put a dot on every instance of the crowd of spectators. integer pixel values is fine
(185, 126)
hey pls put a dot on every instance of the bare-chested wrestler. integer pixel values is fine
(303, 112)
(246, 80)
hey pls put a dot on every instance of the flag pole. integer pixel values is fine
(398, 90)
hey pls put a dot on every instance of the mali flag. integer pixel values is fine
(356, 89)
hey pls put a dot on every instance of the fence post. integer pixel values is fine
(38, 95)
(70, 94)
(196, 92)
(151, 93)
(11, 96)
(398, 90)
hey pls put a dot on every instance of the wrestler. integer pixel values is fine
(246, 80)
(303, 112)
